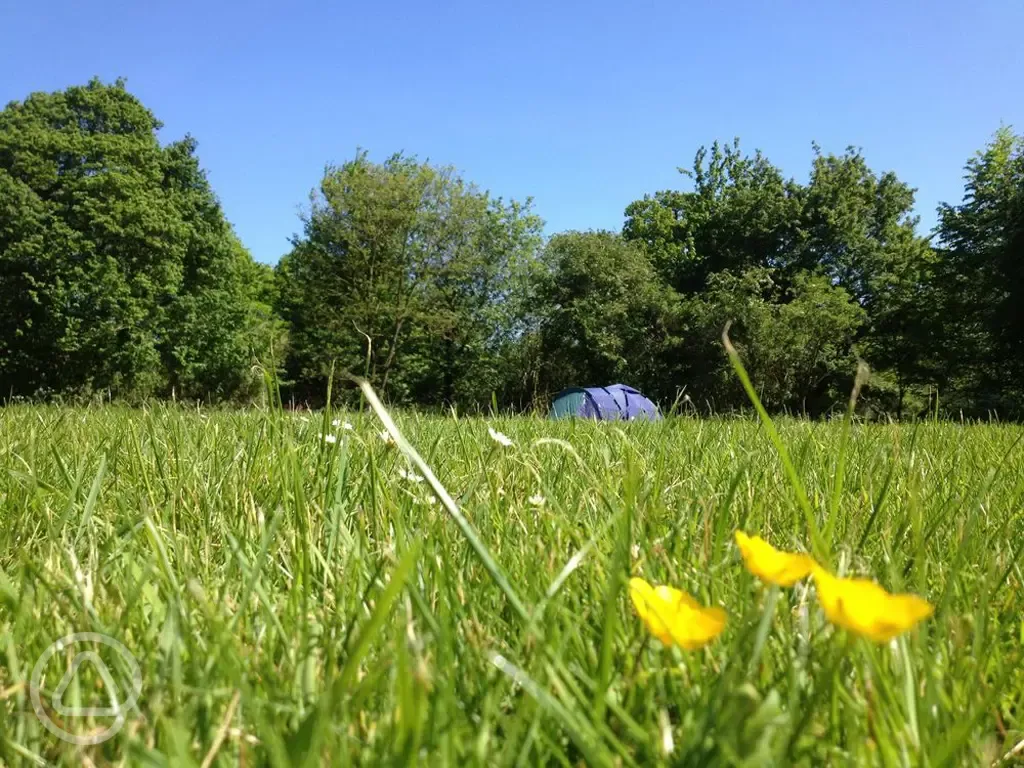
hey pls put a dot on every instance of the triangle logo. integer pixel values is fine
(103, 672)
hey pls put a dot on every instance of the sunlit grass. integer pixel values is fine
(308, 602)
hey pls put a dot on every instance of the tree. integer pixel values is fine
(849, 225)
(797, 343)
(408, 273)
(981, 281)
(740, 214)
(217, 326)
(607, 315)
(117, 269)
(860, 232)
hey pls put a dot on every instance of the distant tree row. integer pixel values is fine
(119, 275)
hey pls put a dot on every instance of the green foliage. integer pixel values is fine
(118, 272)
(411, 275)
(744, 223)
(120, 276)
(740, 214)
(860, 232)
(606, 315)
(797, 342)
(981, 281)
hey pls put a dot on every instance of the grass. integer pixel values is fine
(293, 602)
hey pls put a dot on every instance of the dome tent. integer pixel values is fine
(611, 403)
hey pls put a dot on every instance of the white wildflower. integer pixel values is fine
(336, 423)
(503, 440)
(346, 426)
(537, 500)
(329, 439)
(83, 579)
(410, 476)
(668, 744)
(386, 437)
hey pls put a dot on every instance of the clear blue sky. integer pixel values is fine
(584, 106)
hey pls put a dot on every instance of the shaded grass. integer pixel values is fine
(344, 612)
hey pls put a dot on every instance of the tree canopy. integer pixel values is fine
(119, 274)
(410, 275)
(847, 235)
(980, 281)
(605, 315)
(118, 271)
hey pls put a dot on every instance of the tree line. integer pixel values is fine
(120, 277)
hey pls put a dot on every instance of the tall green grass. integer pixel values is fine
(294, 602)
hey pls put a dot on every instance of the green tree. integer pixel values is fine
(218, 324)
(117, 269)
(847, 224)
(796, 341)
(980, 278)
(741, 213)
(860, 232)
(411, 273)
(608, 317)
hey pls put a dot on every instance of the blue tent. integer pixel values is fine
(617, 401)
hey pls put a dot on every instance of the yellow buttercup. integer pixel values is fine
(771, 565)
(865, 608)
(673, 616)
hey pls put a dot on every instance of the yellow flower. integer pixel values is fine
(863, 607)
(769, 564)
(673, 616)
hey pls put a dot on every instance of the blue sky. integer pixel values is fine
(583, 106)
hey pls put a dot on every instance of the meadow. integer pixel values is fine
(294, 600)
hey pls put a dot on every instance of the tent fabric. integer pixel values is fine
(568, 403)
(610, 403)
